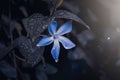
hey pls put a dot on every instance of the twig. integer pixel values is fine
(19, 58)
(41, 35)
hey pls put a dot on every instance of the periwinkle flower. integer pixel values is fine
(56, 37)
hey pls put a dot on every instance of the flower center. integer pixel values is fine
(55, 36)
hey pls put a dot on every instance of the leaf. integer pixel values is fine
(6, 23)
(24, 11)
(3, 51)
(10, 25)
(41, 76)
(71, 6)
(48, 1)
(76, 54)
(8, 70)
(85, 36)
(36, 24)
(79, 54)
(49, 69)
(5, 19)
(68, 15)
(26, 76)
(29, 50)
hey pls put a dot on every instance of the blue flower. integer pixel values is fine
(56, 37)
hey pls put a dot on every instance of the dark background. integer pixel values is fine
(98, 48)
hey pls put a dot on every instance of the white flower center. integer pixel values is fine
(55, 36)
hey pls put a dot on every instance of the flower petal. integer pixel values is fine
(52, 27)
(67, 44)
(55, 50)
(45, 41)
(65, 28)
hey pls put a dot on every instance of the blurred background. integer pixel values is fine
(97, 52)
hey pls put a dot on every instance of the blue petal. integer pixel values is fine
(52, 28)
(65, 28)
(45, 41)
(55, 50)
(67, 44)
